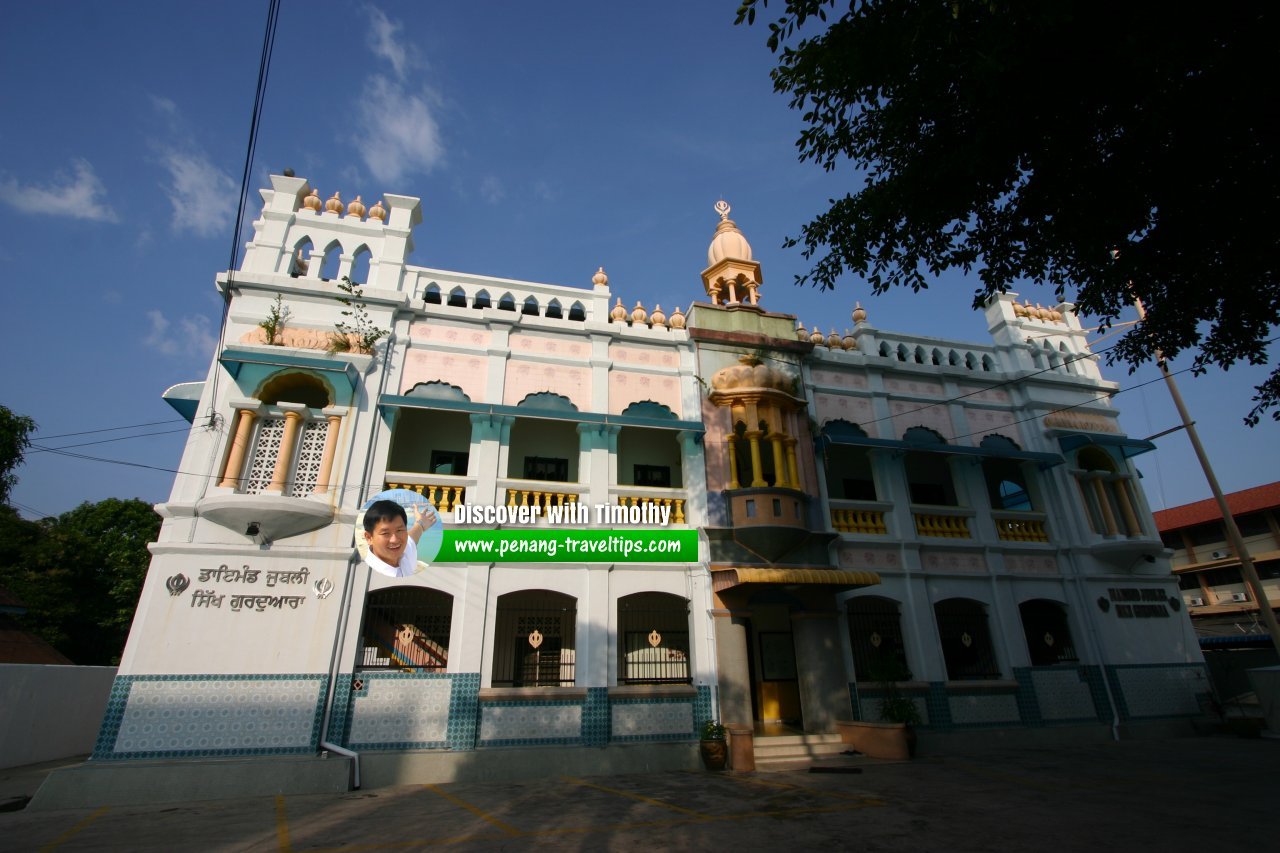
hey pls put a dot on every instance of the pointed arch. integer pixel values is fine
(577, 313)
(649, 409)
(482, 300)
(300, 261)
(507, 302)
(530, 307)
(360, 264)
(547, 400)
(432, 294)
(458, 297)
(332, 259)
(553, 310)
(438, 389)
(988, 364)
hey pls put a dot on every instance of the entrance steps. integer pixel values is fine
(796, 752)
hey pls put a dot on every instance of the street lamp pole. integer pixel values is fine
(1233, 532)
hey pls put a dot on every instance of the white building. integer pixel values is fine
(968, 511)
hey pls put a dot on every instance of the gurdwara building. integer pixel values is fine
(962, 519)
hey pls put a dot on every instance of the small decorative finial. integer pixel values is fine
(722, 208)
(600, 279)
(378, 212)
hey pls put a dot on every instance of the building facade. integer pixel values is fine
(962, 518)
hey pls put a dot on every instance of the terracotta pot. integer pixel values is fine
(714, 754)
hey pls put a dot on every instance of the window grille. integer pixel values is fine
(407, 629)
(266, 449)
(653, 639)
(534, 639)
(966, 639)
(1048, 636)
(306, 470)
(875, 636)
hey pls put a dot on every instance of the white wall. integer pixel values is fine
(50, 712)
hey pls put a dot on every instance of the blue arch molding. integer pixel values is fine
(846, 437)
(394, 401)
(1128, 446)
(234, 359)
(185, 399)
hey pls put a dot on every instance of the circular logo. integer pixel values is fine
(417, 509)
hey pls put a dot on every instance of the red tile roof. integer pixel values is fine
(1240, 503)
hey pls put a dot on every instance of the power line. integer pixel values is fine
(39, 449)
(112, 429)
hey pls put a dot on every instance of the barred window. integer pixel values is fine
(1048, 636)
(406, 628)
(653, 639)
(966, 639)
(875, 636)
(534, 639)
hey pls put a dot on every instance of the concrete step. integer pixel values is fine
(791, 751)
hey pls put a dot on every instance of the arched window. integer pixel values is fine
(432, 294)
(1048, 636)
(970, 361)
(1067, 358)
(1006, 478)
(553, 310)
(966, 639)
(534, 639)
(953, 358)
(904, 354)
(928, 474)
(360, 265)
(457, 298)
(849, 473)
(875, 636)
(988, 363)
(507, 302)
(311, 391)
(920, 356)
(885, 350)
(1105, 490)
(332, 258)
(653, 639)
(936, 358)
(406, 629)
(482, 300)
(577, 313)
(530, 308)
(262, 439)
(301, 259)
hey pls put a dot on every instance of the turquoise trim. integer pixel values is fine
(395, 401)
(185, 399)
(1128, 446)
(1045, 460)
(234, 359)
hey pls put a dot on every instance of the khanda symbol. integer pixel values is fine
(177, 584)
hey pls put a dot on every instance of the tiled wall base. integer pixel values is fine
(190, 716)
(648, 720)
(1049, 695)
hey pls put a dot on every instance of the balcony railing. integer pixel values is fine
(444, 491)
(942, 525)
(641, 496)
(1020, 527)
(540, 493)
(854, 517)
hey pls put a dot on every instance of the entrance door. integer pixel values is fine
(775, 679)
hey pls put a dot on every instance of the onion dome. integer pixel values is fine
(618, 314)
(849, 342)
(638, 315)
(657, 318)
(356, 208)
(677, 319)
(600, 279)
(728, 241)
(816, 337)
(833, 340)
(312, 201)
(802, 334)
(334, 205)
(378, 212)
(859, 313)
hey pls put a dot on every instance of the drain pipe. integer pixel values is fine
(340, 636)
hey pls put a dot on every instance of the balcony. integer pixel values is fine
(942, 522)
(859, 517)
(544, 494)
(673, 499)
(445, 491)
(1021, 526)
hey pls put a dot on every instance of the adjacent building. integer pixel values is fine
(964, 518)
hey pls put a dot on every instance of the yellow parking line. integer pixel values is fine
(488, 818)
(787, 786)
(282, 827)
(650, 800)
(75, 830)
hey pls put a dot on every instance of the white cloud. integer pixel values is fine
(81, 196)
(383, 42)
(202, 195)
(191, 337)
(491, 190)
(399, 134)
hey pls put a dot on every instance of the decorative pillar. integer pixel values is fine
(1104, 506)
(793, 465)
(731, 443)
(757, 480)
(779, 466)
(292, 427)
(239, 447)
(1126, 506)
(330, 448)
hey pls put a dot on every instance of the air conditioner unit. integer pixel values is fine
(1197, 601)
(1221, 555)
(1239, 596)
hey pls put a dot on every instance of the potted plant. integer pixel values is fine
(894, 736)
(714, 749)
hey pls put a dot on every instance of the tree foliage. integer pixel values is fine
(1108, 150)
(15, 438)
(80, 574)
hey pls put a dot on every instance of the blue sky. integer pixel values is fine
(545, 140)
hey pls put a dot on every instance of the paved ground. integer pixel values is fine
(1181, 794)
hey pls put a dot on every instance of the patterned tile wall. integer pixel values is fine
(1063, 694)
(984, 708)
(167, 716)
(530, 723)
(403, 710)
(647, 720)
(1160, 690)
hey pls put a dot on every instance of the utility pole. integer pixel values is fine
(1233, 532)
